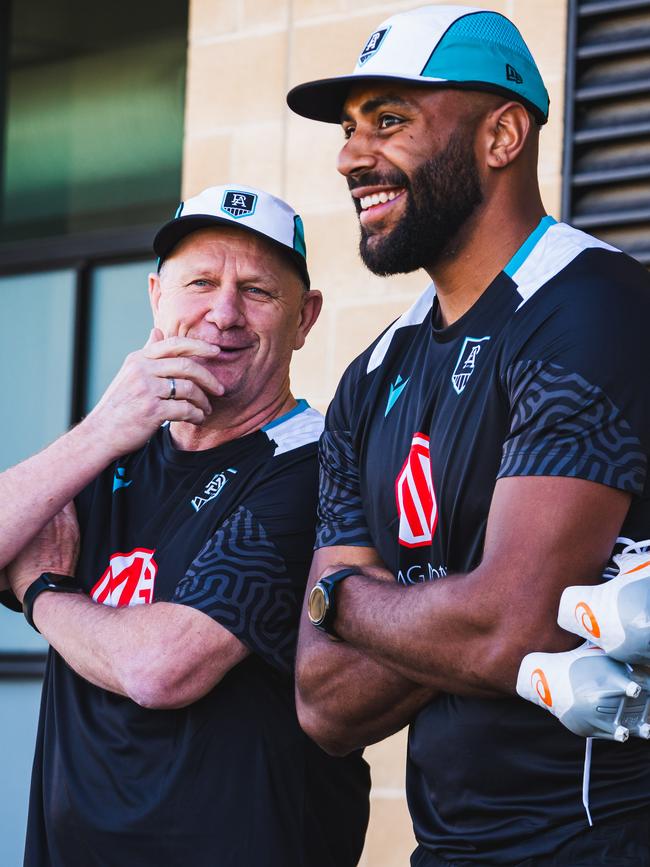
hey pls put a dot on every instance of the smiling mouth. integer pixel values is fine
(381, 198)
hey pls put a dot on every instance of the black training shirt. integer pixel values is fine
(545, 375)
(231, 780)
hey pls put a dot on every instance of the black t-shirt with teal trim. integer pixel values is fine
(230, 780)
(545, 375)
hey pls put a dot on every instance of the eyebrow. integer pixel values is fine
(376, 102)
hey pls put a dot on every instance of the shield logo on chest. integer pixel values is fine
(467, 361)
(415, 496)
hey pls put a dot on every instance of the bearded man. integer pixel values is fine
(480, 456)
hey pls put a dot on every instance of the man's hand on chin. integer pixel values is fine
(166, 380)
(54, 549)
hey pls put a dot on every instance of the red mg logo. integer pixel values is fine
(128, 580)
(416, 499)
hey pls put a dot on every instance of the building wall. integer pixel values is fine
(243, 57)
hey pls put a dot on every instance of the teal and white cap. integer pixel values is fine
(445, 46)
(237, 205)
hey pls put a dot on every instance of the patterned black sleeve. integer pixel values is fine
(561, 425)
(341, 519)
(239, 578)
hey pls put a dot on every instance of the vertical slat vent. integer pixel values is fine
(606, 183)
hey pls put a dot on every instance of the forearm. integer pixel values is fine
(346, 700)
(453, 635)
(32, 492)
(160, 655)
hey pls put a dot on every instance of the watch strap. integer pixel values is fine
(329, 583)
(8, 599)
(47, 581)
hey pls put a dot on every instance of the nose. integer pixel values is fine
(357, 154)
(226, 307)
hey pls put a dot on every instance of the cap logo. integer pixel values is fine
(238, 204)
(513, 75)
(373, 45)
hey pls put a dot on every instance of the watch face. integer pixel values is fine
(317, 607)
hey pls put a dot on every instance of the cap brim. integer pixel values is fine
(324, 99)
(175, 230)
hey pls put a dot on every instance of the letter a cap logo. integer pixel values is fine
(373, 44)
(248, 208)
(238, 203)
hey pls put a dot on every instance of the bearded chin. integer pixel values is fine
(443, 195)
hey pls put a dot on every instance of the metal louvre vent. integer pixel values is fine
(606, 172)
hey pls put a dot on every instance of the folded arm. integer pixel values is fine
(467, 634)
(345, 699)
(161, 656)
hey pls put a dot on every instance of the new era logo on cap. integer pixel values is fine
(373, 44)
(238, 203)
(513, 75)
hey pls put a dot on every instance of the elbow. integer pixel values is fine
(321, 720)
(325, 734)
(152, 688)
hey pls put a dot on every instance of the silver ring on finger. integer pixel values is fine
(172, 388)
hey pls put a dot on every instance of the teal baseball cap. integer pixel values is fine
(251, 209)
(444, 46)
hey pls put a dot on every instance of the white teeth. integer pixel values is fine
(377, 199)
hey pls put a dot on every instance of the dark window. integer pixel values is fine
(606, 177)
(91, 128)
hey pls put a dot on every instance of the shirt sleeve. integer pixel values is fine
(241, 580)
(341, 518)
(563, 425)
(575, 378)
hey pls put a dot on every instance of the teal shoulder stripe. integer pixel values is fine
(527, 247)
(301, 406)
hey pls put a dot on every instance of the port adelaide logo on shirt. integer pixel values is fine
(467, 360)
(238, 203)
(212, 490)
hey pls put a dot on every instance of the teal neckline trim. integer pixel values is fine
(301, 406)
(527, 247)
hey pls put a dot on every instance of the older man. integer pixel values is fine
(487, 449)
(168, 733)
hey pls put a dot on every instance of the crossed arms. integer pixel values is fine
(162, 655)
(465, 634)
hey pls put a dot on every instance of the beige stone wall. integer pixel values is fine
(243, 56)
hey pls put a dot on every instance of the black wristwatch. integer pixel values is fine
(320, 606)
(47, 581)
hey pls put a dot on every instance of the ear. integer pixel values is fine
(509, 128)
(312, 303)
(154, 295)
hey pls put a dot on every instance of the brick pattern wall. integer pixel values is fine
(243, 57)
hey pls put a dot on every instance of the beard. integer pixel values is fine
(442, 195)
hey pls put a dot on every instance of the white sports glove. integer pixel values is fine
(616, 614)
(591, 694)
